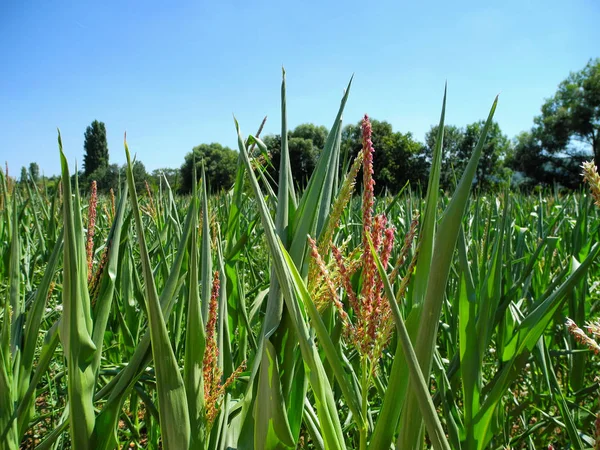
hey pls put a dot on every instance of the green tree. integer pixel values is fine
(111, 176)
(219, 164)
(398, 156)
(453, 161)
(490, 170)
(533, 165)
(34, 171)
(305, 144)
(96, 149)
(527, 160)
(303, 158)
(317, 134)
(173, 177)
(23, 178)
(458, 146)
(570, 120)
(565, 133)
(139, 174)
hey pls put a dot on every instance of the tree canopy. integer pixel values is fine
(490, 170)
(34, 172)
(458, 146)
(398, 156)
(565, 133)
(96, 148)
(173, 177)
(452, 156)
(305, 144)
(571, 118)
(219, 164)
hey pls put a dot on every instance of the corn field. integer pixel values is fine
(270, 318)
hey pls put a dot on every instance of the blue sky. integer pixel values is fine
(172, 76)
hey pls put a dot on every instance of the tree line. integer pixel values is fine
(563, 135)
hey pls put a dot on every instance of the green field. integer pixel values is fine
(268, 317)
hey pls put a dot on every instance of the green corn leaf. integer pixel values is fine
(36, 220)
(522, 343)
(17, 317)
(312, 425)
(443, 251)
(76, 325)
(32, 329)
(119, 387)
(272, 430)
(387, 422)
(543, 356)
(36, 313)
(351, 397)
(174, 416)
(255, 423)
(326, 408)
(25, 409)
(104, 300)
(432, 422)
(234, 244)
(492, 288)
(468, 340)
(429, 218)
(195, 343)
(9, 438)
(206, 253)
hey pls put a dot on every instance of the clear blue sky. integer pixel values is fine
(171, 76)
